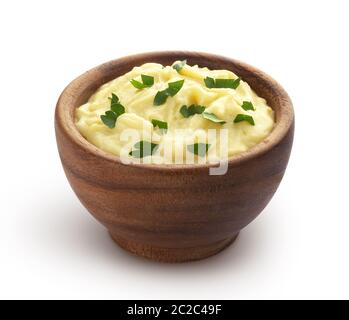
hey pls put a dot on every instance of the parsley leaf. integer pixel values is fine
(221, 83)
(116, 109)
(247, 105)
(160, 124)
(161, 97)
(143, 149)
(200, 149)
(191, 110)
(116, 106)
(137, 84)
(212, 117)
(109, 119)
(173, 88)
(209, 82)
(147, 82)
(178, 66)
(114, 98)
(244, 117)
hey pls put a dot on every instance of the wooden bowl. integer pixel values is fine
(167, 212)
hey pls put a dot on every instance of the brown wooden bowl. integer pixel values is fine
(167, 212)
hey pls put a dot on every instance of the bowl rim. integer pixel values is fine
(65, 117)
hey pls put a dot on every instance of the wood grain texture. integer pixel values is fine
(167, 212)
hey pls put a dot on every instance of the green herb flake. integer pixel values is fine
(179, 66)
(143, 149)
(200, 149)
(236, 83)
(173, 88)
(137, 84)
(160, 124)
(247, 105)
(212, 117)
(187, 112)
(209, 82)
(221, 83)
(116, 109)
(147, 82)
(160, 98)
(244, 117)
(109, 119)
(113, 99)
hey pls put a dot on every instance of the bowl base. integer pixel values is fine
(173, 254)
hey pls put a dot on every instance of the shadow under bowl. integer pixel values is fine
(173, 213)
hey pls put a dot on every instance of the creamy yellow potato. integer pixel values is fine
(225, 103)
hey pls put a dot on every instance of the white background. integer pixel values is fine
(51, 248)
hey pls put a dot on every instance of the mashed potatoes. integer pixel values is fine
(180, 120)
